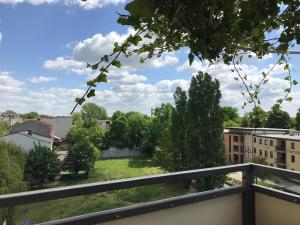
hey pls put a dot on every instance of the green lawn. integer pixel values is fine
(104, 170)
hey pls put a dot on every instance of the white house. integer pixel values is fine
(29, 133)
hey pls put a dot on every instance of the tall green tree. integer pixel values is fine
(278, 118)
(178, 130)
(297, 119)
(30, 115)
(204, 121)
(12, 162)
(91, 113)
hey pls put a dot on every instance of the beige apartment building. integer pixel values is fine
(280, 147)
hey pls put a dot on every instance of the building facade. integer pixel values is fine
(279, 147)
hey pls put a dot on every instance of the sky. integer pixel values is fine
(46, 44)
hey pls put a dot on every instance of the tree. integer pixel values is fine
(278, 118)
(257, 117)
(91, 113)
(231, 116)
(204, 121)
(12, 163)
(298, 119)
(211, 30)
(137, 124)
(4, 128)
(77, 119)
(42, 164)
(118, 132)
(85, 154)
(30, 115)
(178, 130)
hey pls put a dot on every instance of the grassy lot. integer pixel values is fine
(104, 170)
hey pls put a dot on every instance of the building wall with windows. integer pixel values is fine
(293, 155)
(266, 148)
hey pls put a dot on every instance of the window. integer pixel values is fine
(271, 142)
(260, 141)
(242, 138)
(293, 158)
(242, 148)
(235, 138)
(254, 150)
(266, 153)
(265, 141)
(254, 140)
(271, 154)
(260, 152)
(292, 145)
(235, 148)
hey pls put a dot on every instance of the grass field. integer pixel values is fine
(104, 170)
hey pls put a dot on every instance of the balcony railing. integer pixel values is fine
(280, 148)
(246, 204)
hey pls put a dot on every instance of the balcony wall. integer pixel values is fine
(225, 210)
(275, 211)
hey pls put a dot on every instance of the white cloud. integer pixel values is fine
(41, 79)
(1, 37)
(89, 4)
(8, 84)
(33, 2)
(92, 4)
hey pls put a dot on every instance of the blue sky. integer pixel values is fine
(45, 44)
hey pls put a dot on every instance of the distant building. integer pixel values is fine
(105, 124)
(11, 116)
(31, 132)
(60, 125)
(279, 147)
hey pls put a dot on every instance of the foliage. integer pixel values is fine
(278, 118)
(42, 164)
(231, 116)
(211, 30)
(4, 128)
(298, 119)
(257, 117)
(77, 119)
(85, 154)
(137, 125)
(117, 135)
(91, 113)
(30, 115)
(12, 162)
(204, 122)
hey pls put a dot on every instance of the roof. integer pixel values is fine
(295, 137)
(61, 125)
(42, 128)
(257, 129)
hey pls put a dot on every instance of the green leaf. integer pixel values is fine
(295, 82)
(91, 83)
(286, 67)
(236, 78)
(117, 48)
(105, 58)
(191, 58)
(80, 100)
(116, 63)
(102, 78)
(95, 66)
(265, 81)
(283, 47)
(91, 93)
(289, 99)
(136, 40)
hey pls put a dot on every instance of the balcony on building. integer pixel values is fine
(244, 204)
(281, 147)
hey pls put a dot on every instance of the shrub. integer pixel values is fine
(85, 154)
(42, 164)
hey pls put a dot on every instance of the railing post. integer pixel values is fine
(248, 197)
